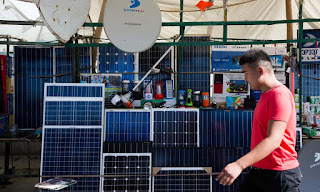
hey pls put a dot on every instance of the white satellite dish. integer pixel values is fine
(132, 25)
(64, 18)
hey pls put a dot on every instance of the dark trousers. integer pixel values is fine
(263, 180)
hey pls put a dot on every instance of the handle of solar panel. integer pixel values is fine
(309, 159)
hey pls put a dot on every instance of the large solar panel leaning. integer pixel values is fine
(127, 125)
(175, 127)
(176, 179)
(72, 151)
(73, 134)
(127, 172)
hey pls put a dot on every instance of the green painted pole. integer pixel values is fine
(179, 61)
(225, 26)
(300, 59)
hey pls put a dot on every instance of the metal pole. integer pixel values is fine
(6, 162)
(300, 58)
(75, 64)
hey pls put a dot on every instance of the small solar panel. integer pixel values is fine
(175, 127)
(73, 104)
(299, 139)
(127, 147)
(73, 90)
(73, 151)
(127, 125)
(174, 179)
(114, 81)
(131, 171)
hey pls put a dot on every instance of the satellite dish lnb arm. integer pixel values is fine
(154, 66)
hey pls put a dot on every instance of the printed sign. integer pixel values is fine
(310, 51)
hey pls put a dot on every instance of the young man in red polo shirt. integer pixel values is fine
(273, 157)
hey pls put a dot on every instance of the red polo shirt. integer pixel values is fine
(276, 104)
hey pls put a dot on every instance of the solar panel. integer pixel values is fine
(175, 127)
(195, 58)
(217, 158)
(28, 92)
(225, 128)
(74, 90)
(174, 179)
(127, 125)
(149, 57)
(72, 151)
(127, 147)
(131, 171)
(73, 134)
(114, 61)
(73, 104)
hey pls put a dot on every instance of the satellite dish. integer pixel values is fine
(64, 18)
(132, 25)
(309, 159)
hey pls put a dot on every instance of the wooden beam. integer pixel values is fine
(289, 17)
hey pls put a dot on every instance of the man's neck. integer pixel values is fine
(270, 83)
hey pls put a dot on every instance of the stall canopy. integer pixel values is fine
(237, 10)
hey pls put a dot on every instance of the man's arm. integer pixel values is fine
(276, 131)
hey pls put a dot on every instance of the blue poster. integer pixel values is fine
(225, 58)
(310, 34)
(310, 50)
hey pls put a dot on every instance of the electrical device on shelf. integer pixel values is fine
(158, 88)
(197, 102)
(189, 102)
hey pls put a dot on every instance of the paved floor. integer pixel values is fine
(21, 164)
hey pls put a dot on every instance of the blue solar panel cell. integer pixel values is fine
(175, 128)
(73, 112)
(73, 151)
(127, 125)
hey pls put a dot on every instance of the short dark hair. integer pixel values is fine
(253, 57)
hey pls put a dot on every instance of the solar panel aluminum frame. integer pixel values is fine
(176, 109)
(158, 169)
(127, 154)
(126, 110)
(52, 98)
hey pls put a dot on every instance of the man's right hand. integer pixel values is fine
(229, 173)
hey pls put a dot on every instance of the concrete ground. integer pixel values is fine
(22, 182)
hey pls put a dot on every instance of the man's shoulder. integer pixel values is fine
(282, 90)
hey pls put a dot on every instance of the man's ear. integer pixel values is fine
(261, 70)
